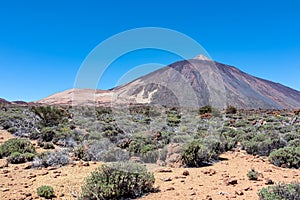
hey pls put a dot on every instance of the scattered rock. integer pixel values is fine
(173, 158)
(5, 189)
(231, 181)
(86, 164)
(164, 170)
(185, 173)
(223, 193)
(166, 179)
(193, 193)
(27, 166)
(268, 170)
(27, 194)
(231, 196)
(5, 171)
(169, 189)
(248, 188)
(43, 173)
(240, 192)
(31, 176)
(269, 181)
(51, 168)
(210, 172)
(74, 194)
(208, 197)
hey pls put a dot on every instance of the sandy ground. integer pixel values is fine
(210, 182)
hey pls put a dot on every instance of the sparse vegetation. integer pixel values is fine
(281, 191)
(286, 157)
(48, 158)
(205, 109)
(113, 134)
(117, 181)
(252, 175)
(16, 145)
(201, 152)
(45, 191)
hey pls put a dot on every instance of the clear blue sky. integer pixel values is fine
(43, 43)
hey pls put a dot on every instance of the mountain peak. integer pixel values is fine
(189, 84)
(201, 57)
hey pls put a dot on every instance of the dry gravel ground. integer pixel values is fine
(212, 182)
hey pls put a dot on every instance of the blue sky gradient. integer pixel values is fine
(43, 43)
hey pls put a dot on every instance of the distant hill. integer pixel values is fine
(3, 101)
(189, 83)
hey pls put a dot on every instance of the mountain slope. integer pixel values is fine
(191, 83)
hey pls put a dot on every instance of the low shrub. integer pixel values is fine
(16, 157)
(200, 152)
(16, 145)
(252, 175)
(117, 181)
(50, 115)
(263, 144)
(205, 109)
(294, 143)
(150, 156)
(79, 152)
(291, 136)
(45, 191)
(103, 150)
(281, 191)
(54, 158)
(231, 110)
(287, 156)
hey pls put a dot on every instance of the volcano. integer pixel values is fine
(189, 83)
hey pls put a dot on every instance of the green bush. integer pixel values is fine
(294, 143)
(117, 181)
(200, 152)
(16, 145)
(16, 157)
(50, 115)
(45, 191)
(79, 152)
(291, 136)
(205, 109)
(47, 134)
(173, 118)
(287, 156)
(262, 144)
(252, 175)
(282, 191)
